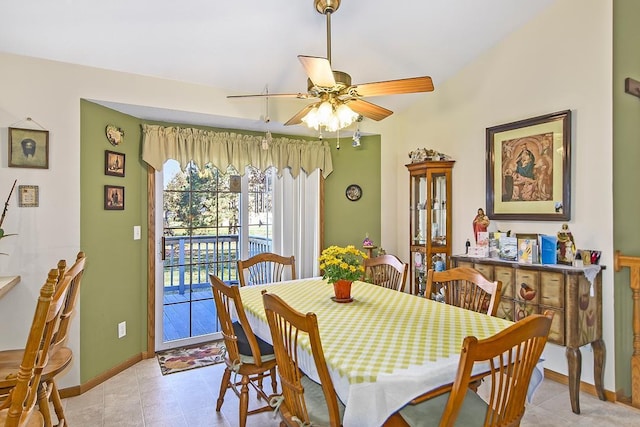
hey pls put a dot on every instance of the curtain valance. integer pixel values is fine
(161, 143)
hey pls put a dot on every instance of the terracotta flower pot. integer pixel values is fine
(342, 289)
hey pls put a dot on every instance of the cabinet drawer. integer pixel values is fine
(556, 333)
(526, 287)
(485, 269)
(505, 275)
(552, 289)
(464, 264)
(523, 309)
(505, 309)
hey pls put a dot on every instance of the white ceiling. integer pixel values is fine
(243, 46)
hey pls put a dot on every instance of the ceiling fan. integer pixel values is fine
(335, 90)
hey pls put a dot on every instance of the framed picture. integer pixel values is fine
(28, 196)
(113, 163)
(28, 148)
(529, 169)
(113, 198)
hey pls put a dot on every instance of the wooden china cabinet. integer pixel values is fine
(429, 219)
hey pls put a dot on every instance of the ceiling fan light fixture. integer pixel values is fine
(346, 115)
(331, 115)
(311, 119)
(325, 111)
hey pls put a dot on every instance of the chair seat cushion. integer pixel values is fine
(243, 343)
(429, 412)
(316, 403)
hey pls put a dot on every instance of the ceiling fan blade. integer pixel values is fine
(318, 70)
(297, 118)
(275, 95)
(369, 110)
(393, 87)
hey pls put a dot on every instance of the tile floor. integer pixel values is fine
(141, 396)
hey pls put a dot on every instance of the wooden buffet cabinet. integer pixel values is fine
(575, 301)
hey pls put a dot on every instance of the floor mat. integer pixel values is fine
(185, 358)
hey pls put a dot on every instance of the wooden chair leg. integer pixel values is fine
(244, 400)
(224, 385)
(57, 404)
(43, 404)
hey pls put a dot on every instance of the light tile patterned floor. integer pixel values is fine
(142, 397)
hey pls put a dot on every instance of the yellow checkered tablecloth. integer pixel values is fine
(378, 343)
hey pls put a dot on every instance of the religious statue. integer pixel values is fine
(480, 223)
(566, 246)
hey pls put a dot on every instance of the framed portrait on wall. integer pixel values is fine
(28, 148)
(529, 169)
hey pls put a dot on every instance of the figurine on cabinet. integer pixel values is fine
(480, 223)
(566, 246)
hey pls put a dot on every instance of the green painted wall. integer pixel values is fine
(347, 222)
(626, 176)
(117, 264)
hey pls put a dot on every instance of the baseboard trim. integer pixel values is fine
(585, 387)
(82, 388)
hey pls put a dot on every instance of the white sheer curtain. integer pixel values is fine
(296, 213)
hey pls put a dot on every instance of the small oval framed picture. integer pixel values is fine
(353, 192)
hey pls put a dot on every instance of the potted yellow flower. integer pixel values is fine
(341, 266)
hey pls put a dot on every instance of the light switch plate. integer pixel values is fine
(136, 232)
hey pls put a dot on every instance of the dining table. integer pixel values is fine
(383, 349)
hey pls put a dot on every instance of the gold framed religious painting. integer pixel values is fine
(28, 148)
(529, 169)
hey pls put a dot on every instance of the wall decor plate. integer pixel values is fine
(353, 192)
(115, 135)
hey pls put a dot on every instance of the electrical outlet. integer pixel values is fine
(122, 329)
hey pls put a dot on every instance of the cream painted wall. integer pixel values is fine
(561, 60)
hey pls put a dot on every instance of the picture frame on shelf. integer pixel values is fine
(28, 148)
(528, 175)
(113, 198)
(114, 163)
(28, 196)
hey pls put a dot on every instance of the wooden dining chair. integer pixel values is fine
(387, 271)
(465, 287)
(264, 268)
(511, 355)
(247, 356)
(303, 401)
(60, 356)
(19, 407)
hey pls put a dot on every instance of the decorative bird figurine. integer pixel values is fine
(527, 292)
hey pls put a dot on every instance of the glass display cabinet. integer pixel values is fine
(429, 220)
